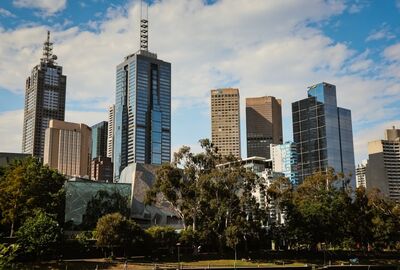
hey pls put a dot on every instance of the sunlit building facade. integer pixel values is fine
(44, 100)
(323, 133)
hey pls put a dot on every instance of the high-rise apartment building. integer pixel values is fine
(263, 125)
(110, 135)
(225, 121)
(361, 174)
(323, 133)
(99, 139)
(101, 169)
(44, 100)
(67, 148)
(383, 169)
(142, 127)
(284, 160)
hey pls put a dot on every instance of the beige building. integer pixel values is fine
(67, 148)
(383, 169)
(263, 125)
(110, 134)
(225, 121)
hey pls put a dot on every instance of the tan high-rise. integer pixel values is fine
(67, 148)
(225, 121)
(263, 125)
(383, 169)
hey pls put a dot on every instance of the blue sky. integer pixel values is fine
(262, 47)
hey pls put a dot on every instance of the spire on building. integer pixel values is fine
(144, 27)
(48, 56)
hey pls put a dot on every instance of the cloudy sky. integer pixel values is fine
(262, 47)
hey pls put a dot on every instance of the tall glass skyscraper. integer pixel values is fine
(142, 128)
(99, 139)
(323, 133)
(44, 100)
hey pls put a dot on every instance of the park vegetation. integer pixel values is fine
(217, 207)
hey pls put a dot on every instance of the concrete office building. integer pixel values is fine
(44, 100)
(323, 133)
(263, 125)
(67, 148)
(284, 160)
(142, 127)
(9, 158)
(110, 135)
(225, 121)
(361, 174)
(383, 169)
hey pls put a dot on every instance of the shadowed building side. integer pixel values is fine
(263, 125)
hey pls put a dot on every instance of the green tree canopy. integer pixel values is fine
(115, 230)
(39, 235)
(28, 185)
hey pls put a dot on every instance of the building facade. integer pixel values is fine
(225, 121)
(110, 135)
(68, 148)
(9, 158)
(99, 139)
(101, 169)
(383, 169)
(142, 128)
(323, 133)
(44, 100)
(263, 125)
(361, 174)
(284, 160)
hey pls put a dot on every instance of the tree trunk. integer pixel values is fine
(12, 229)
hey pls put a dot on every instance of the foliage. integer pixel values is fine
(39, 235)
(104, 203)
(115, 230)
(28, 185)
(8, 254)
(208, 198)
(165, 237)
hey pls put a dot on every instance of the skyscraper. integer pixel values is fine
(383, 169)
(67, 148)
(44, 100)
(99, 139)
(110, 135)
(284, 160)
(142, 128)
(323, 133)
(263, 125)
(225, 121)
(361, 174)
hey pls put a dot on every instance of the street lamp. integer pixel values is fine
(179, 257)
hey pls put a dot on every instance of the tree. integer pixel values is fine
(8, 253)
(39, 235)
(104, 203)
(115, 230)
(28, 185)
(232, 237)
(209, 198)
(163, 236)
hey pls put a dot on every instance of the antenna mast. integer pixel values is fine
(144, 26)
(48, 56)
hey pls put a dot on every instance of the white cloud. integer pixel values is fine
(392, 53)
(47, 7)
(381, 33)
(11, 131)
(6, 13)
(11, 126)
(262, 47)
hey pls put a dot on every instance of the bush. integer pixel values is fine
(39, 235)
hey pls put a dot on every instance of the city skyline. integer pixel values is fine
(361, 63)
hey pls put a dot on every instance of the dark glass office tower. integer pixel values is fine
(322, 133)
(142, 128)
(99, 139)
(44, 100)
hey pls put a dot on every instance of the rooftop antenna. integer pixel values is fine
(48, 56)
(144, 26)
